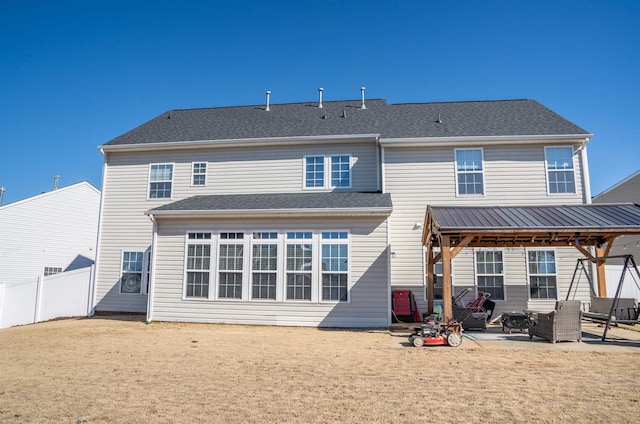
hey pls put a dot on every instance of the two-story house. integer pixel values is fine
(312, 213)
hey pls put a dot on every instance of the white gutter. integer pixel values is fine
(151, 271)
(271, 213)
(94, 282)
(480, 140)
(585, 172)
(242, 142)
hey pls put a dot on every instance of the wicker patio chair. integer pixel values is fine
(562, 324)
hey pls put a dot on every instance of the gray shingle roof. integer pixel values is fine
(442, 119)
(321, 203)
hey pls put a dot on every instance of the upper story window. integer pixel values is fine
(160, 180)
(314, 172)
(469, 171)
(315, 175)
(341, 171)
(560, 172)
(199, 174)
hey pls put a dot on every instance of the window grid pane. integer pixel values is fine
(314, 171)
(340, 171)
(469, 171)
(160, 180)
(489, 269)
(264, 266)
(542, 278)
(299, 267)
(198, 265)
(199, 173)
(560, 169)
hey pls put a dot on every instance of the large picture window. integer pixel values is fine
(160, 180)
(230, 266)
(469, 171)
(198, 265)
(264, 265)
(490, 273)
(560, 172)
(299, 265)
(542, 274)
(275, 266)
(335, 265)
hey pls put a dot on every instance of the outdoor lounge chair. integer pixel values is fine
(562, 324)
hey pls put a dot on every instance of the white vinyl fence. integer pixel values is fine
(630, 286)
(67, 294)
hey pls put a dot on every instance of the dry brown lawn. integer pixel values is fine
(119, 369)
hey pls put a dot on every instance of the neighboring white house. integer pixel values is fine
(311, 213)
(49, 233)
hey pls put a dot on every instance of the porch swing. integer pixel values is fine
(614, 310)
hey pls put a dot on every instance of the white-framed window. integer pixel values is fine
(52, 270)
(198, 265)
(160, 180)
(560, 169)
(132, 272)
(469, 172)
(541, 266)
(230, 265)
(317, 177)
(268, 265)
(299, 265)
(264, 265)
(335, 265)
(314, 172)
(341, 171)
(199, 174)
(490, 273)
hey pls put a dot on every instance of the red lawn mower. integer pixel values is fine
(436, 333)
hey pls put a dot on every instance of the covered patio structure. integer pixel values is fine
(592, 229)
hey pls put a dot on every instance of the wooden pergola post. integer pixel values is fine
(447, 308)
(602, 278)
(430, 281)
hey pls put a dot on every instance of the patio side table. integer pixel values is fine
(517, 320)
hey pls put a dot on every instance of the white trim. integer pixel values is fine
(472, 141)
(240, 142)
(383, 177)
(586, 180)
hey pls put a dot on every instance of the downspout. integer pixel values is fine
(585, 172)
(388, 222)
(379, 165)
(94, 283)
(152, 270)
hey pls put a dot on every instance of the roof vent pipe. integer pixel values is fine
(362, 106)
(268, 93)
(1, 194)
(320, 90)
(55, 182)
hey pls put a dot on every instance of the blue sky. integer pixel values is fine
(75, 74)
